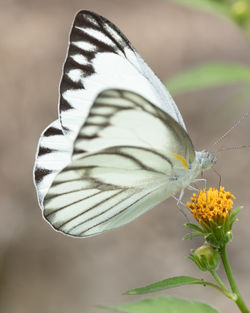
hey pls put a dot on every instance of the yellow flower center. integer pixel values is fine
(211, 207)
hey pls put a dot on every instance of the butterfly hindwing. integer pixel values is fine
(120, 168)
(104, 190)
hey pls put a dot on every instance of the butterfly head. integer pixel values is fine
(205, 159)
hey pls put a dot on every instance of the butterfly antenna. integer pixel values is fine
(236, 123)
(219, 175)
(231, 148)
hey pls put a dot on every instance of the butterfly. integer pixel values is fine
(119, 146)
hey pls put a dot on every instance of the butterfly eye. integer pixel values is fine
(205, 159)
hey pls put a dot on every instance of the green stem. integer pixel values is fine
(224, 289)
(240, 303)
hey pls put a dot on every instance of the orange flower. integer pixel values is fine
(211, 208)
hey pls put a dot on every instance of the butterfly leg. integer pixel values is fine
(189, 187)
(180, 203)
(198, 180)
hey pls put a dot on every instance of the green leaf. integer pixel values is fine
(163, 305)
(208, 75)
(217, 7)
(166, 284)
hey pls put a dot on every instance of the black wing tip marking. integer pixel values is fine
(85, 16)
(98, 21)
(40, 173)
(64, 105)
(44, 150)
(90, 18)
(87, 13)
(52, 131)
(67, 83)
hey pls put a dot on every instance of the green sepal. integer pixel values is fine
(229, 236)
(191, 235)
(219, 232)
(231, 222)
(194, 226)
(235, 212)
(210, 237)
(233, 217)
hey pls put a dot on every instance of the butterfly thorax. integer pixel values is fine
(183, 176)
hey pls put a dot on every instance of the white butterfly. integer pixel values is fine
(120, 145)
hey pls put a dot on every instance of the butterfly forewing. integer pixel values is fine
(121, 117)
(101, 57)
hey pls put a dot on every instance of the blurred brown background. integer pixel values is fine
(43, 271)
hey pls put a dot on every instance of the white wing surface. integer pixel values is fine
(126, 159)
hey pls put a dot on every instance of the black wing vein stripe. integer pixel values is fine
(89, 209)
(52, 196)
(116, 214)
(70, 204)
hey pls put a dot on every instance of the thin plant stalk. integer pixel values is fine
(240, 302)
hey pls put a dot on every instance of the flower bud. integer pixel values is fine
(206, 258)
